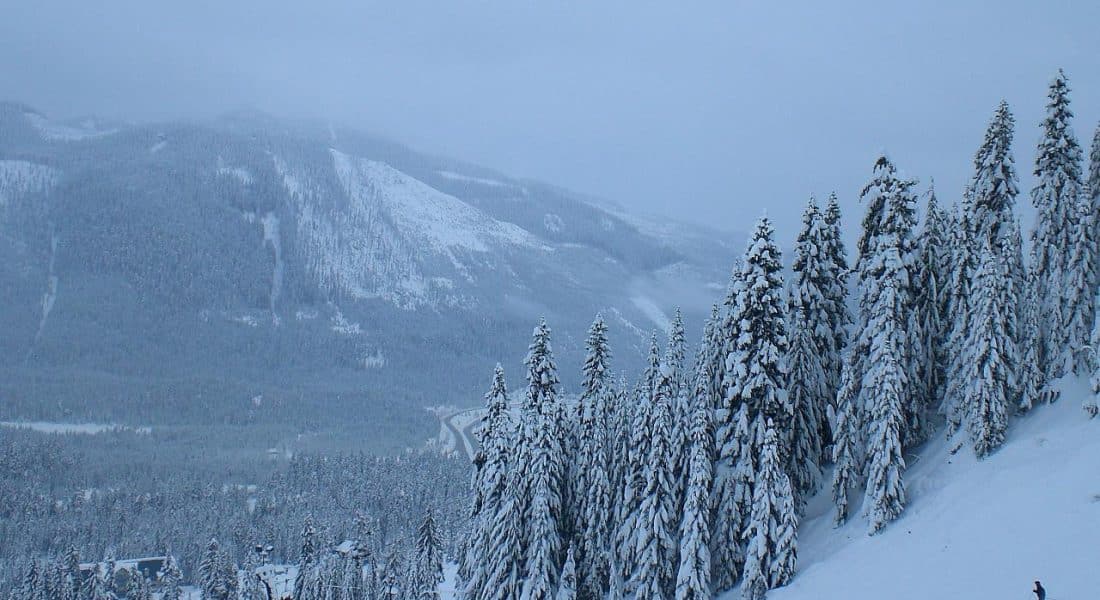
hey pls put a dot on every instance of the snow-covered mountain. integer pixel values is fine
(211, 262)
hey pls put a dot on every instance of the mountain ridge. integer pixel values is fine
(274, 252)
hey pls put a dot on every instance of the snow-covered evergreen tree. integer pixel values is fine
(213, 580)
(504, 561)
(807, 397)
(693, 575)
(989, 379)
(1031, 378)
(675, 360)
(95, 587)
(171, 579)
(497, 438)
(847, 438)
(991, 356)
(1055, 196)
(594, 472)
(735, 474)
(933, 269)
(711, 354)
(33, 586)
(836, 294)
(963, 262)
(772, 528)
(427, 565)
(392, 578)
(886, 404)
(637, 452)
(758, 353)
(1093, 192)
(755, 377)
(811, 346)
(725, 378)
(885, 492)
(886, 260)
(567, 582)
(654, 542)
(1079, 286)
(307, 582)
(544, 470)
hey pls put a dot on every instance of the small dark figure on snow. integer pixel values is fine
(1039, 591)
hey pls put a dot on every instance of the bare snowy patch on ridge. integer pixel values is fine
(64, 133)
(19, 177)
(423, 212)
(471, 179)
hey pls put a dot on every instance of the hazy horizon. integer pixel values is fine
(712, 115)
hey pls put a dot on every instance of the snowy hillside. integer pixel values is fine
(981, 530)
(303, 262)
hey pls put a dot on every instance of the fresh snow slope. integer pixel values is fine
(980, 530)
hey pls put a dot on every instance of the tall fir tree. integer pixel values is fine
(880, 366)
(758, 352)
(427, 564)
(1079, 286)
(963, 263)
(991, 355)
(711, 357)
(1055, 196)
(33, 586)
(567, 582)
(771, 532)
(933, 269)
(1093, 193)
(756, 379)
(171, 580)
(652, 576)
(307, 582)
(725, 542)
(807, 397)
(504, 561)
(693, 574)
(997, 282)
(836, 294)
(847, 437)
(884, 498)
(636, 454)
(728, 329)
(734, 476)
(596, 417)
(675, 360)
(1031, 382)
(492, 463)
(545, 470)
(212, 575)
(813, 348)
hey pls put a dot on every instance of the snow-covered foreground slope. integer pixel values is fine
(980, 530)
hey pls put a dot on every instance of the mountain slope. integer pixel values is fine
(172, 272)
(983, 530)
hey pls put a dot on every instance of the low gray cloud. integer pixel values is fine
(710, 111)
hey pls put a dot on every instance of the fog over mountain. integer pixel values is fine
(706, 112)
(175, 271)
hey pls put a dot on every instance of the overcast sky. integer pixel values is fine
(711, 111)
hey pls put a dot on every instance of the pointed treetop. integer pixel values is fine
(1058, 148)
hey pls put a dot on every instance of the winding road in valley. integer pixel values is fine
(463, 427)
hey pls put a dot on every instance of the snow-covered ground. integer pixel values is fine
(450, 577)
(81, 428)
(980, 530)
